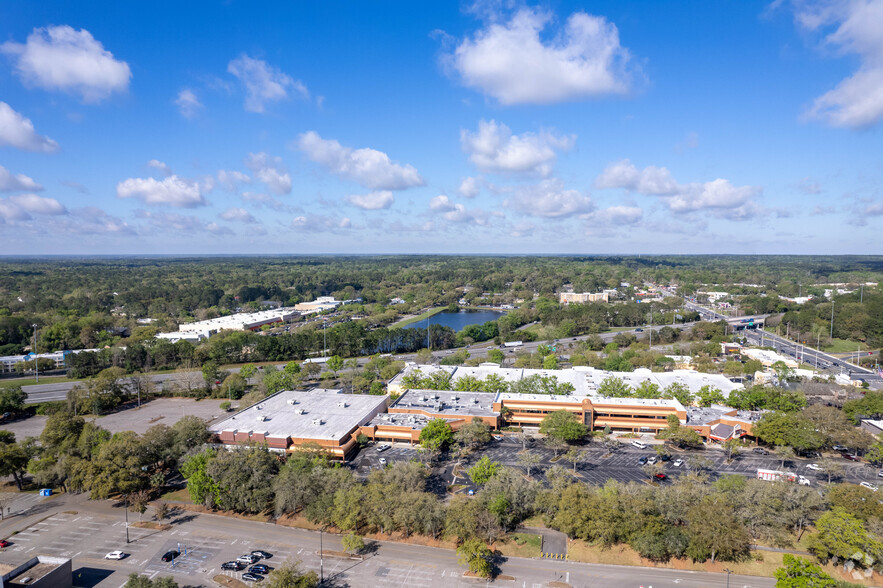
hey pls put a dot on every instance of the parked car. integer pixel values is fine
(840, 448)
(112, 555)
(4, 543)
(639, 330)
(262, 554)
(660, 477)
(232, 565)
(851, 457)
(760, 451)
(497, 437)
(642, 460)
(170, 555)
(665, 457)
(814, 467)
(382, 461)
(879, 475)
(869, 486)
(248, 558)
(252, 577)
(639, 445)
(652, 459)
(259, 569)
(677, 463)
(383, 447)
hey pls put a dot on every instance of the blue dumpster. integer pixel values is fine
(46, 492)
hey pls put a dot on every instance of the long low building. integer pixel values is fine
(328, 420)
(585, 380)
(408, 415)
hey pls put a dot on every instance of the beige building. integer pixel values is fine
(579, 298)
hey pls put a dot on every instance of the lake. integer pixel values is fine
(460, 320)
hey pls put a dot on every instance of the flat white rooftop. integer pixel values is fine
(315, 414)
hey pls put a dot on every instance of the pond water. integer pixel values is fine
(460, 320)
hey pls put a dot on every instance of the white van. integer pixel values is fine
(639, 445)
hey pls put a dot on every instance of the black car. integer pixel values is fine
(665, 457)
(252, 577)
(170, 555)
(232, 565)
(262, 554)
(258, 569)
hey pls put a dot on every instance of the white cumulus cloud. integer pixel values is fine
(160, 166)
(371, 168)
(513, 63)
(18, 131)
(719, 197)
(172, 191)
(231, 180)
(63, 58)
(263, 82)
(269, 170)
(238, 214)
(317, 223)
(494, 149)
(22, 206)
(650, 180)
(549, 199)
(851, 27)
(469, 188)
(188, 103)
(616, 216)
(373, 201)
(10, 182)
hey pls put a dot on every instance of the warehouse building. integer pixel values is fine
(286, 421)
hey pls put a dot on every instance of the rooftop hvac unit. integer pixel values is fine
(475, 401)
(318, 422)
(384, 417)
(292, 401)
(456, 398)
(342, 405)
(423, 398)
(263, 418)
(299, 411)
(435, 396)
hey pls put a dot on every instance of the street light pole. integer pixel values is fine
(127, 518)
(321, 558)
(728, 571)
(36, 359)
(651, 326)
(832, 317)
(324, 338)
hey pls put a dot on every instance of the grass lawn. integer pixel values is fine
(535, 521)
(416, 319)
(521, 545)
(32, 381)
(843, 346)
(181, 495)
(761, 563)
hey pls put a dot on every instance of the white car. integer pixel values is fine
(652, 460)
(869, 486)
(115, 555)
(382, 461)
(382, 447)
(639, 445)
(814, 467)
(677, 463)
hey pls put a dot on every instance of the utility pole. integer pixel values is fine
(324, 337)
(321, 558)
(832, 317)
(36, 359)
(651, 326)
(127, 518)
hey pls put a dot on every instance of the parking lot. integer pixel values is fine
(601, 465)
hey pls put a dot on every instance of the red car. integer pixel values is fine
(660, 477)
(851, 457)
(4, 543)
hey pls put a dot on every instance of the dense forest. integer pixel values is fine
(80, 303)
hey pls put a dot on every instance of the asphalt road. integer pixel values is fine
(72, 526)
(58, 390)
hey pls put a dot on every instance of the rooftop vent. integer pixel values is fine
(292, 401)
(299, 411)
(263, 418)
(318, 422)
(475, 401)
(423, 398)
(342, 405)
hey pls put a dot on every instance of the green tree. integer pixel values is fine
(202, 489)
(335, 364)
(790, 429)
(289, 575)
(248, 371)
(840, 534)
(473, 434)
(614, 387)
(211, 374)
(563, 425)
(709, 395)
(679, 392)
(797, 572)
(233, 387)
(12, 399)
(138, 581)
(352, 543)
(477, 556)
(13, 462)
(483, 470)
(436, 435)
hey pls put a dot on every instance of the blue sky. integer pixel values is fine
(437, 127)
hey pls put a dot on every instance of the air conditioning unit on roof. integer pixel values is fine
(318, 422)
(292, 401)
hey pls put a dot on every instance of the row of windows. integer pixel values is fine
(629, 416)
